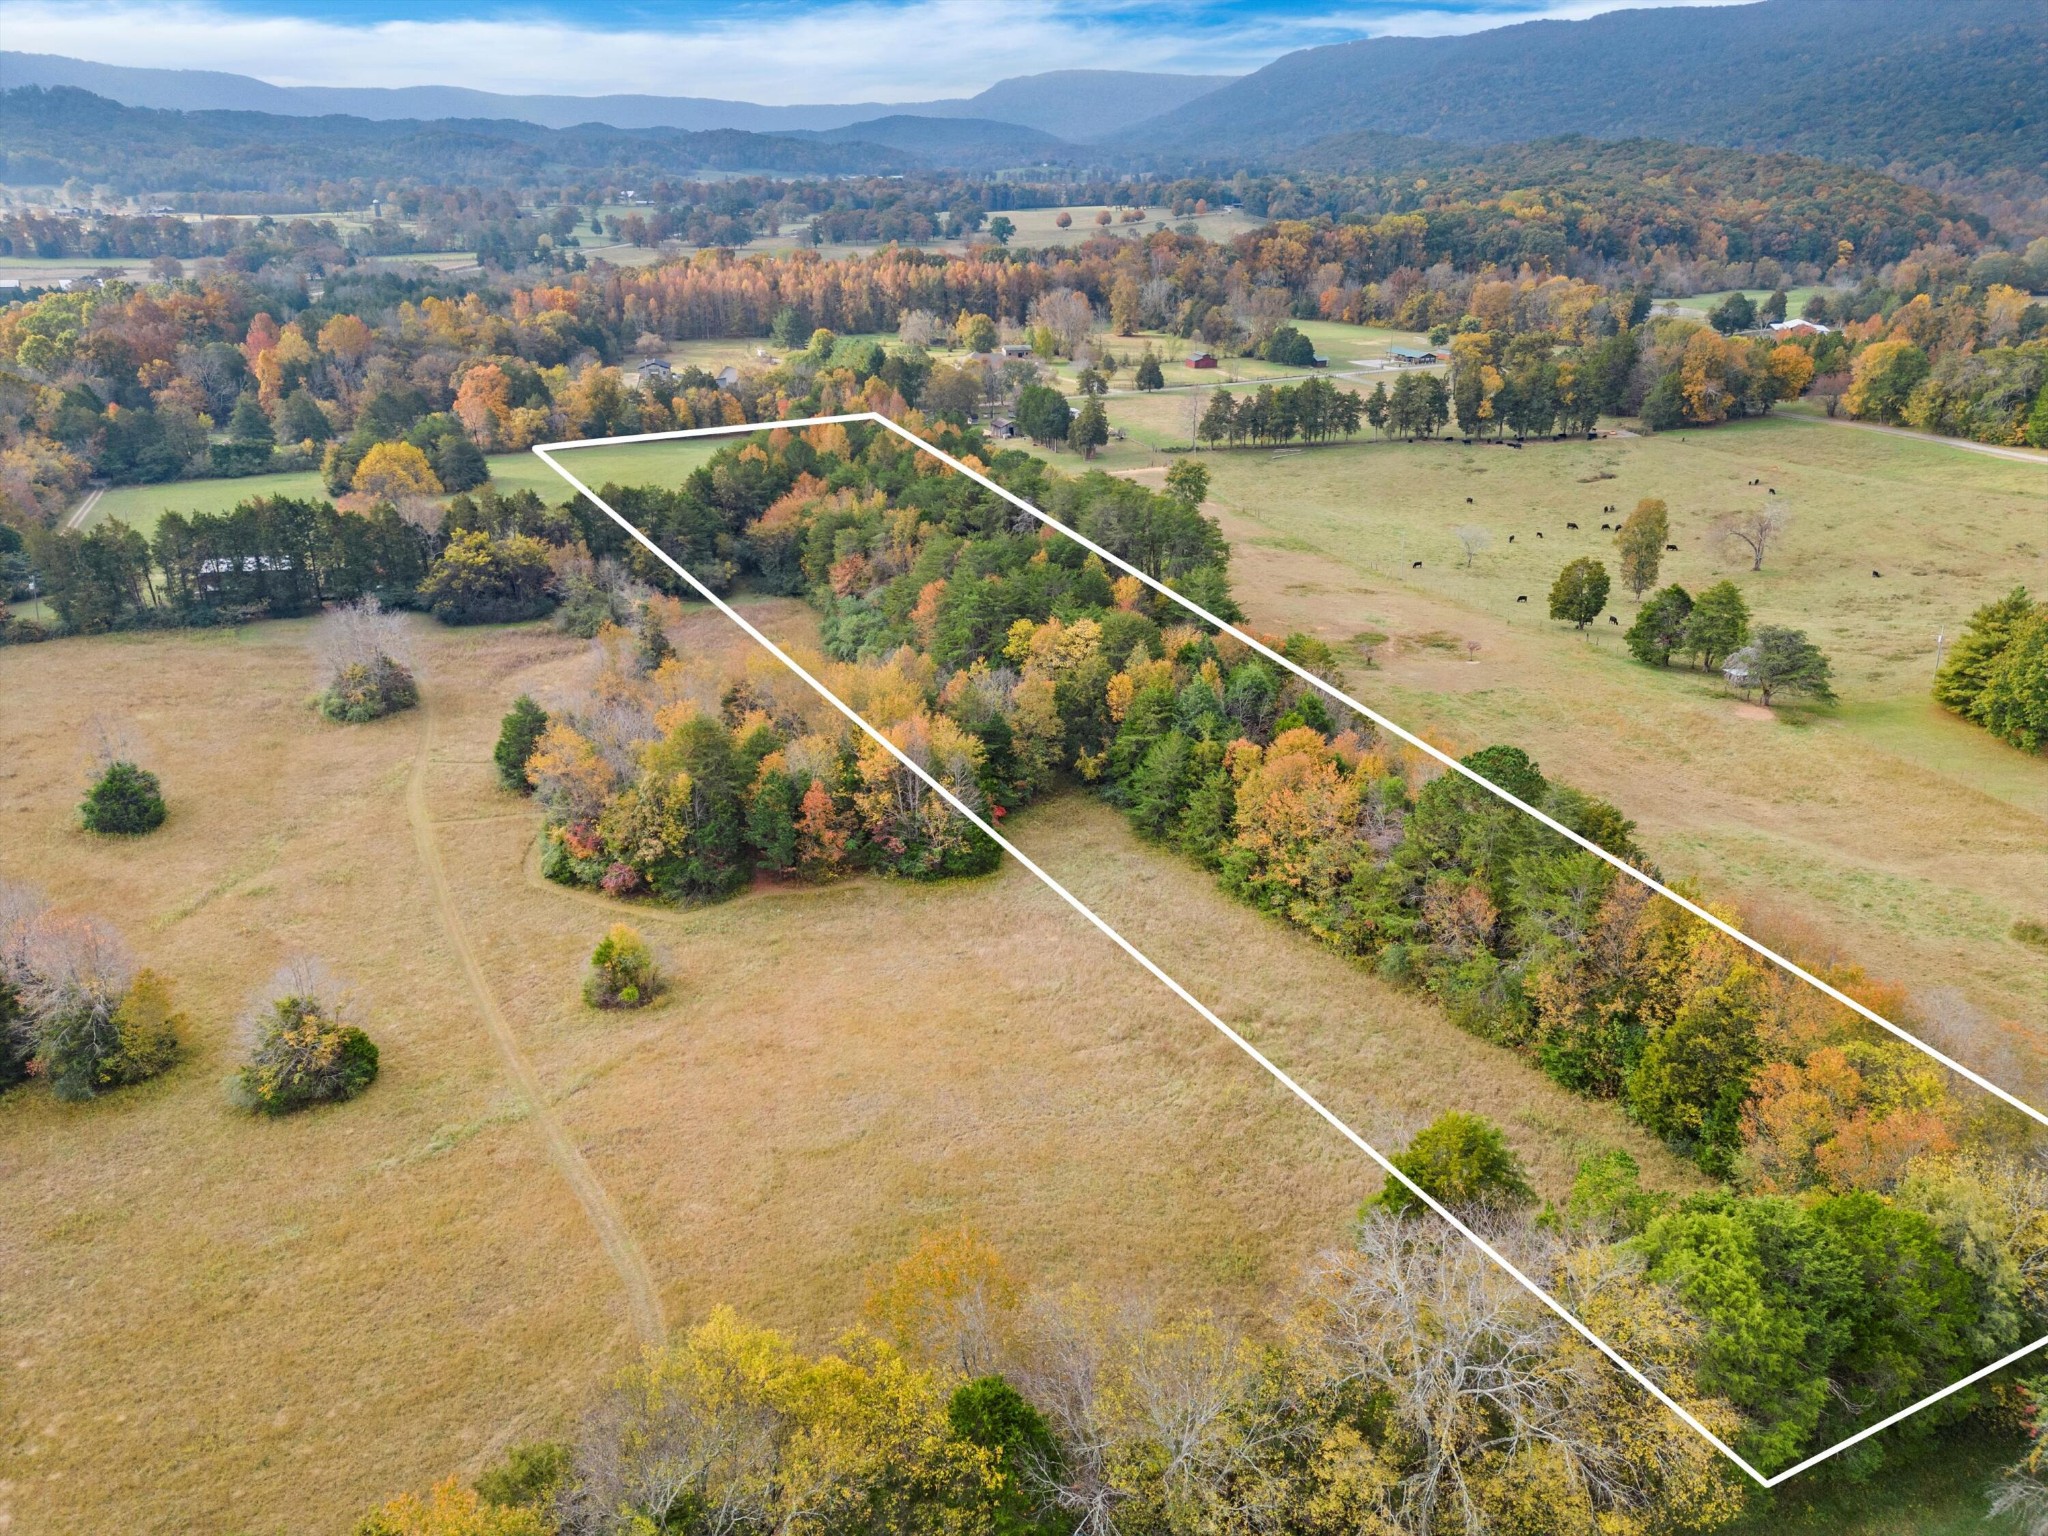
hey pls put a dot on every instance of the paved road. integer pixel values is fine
(643, 1301)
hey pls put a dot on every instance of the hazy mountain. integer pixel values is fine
(960, 143)
(1071, 103)
(1878, 82)
(47, 136)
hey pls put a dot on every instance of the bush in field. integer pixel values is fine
(483, 580)
(359, 646)
(94, 1021)
(517, 735)
(1464, 1161)
(21, 909)
(622, 971)
(530, 1477)
(124, 800)
(303, 1049)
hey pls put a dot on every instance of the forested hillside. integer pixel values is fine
(54, 135)
(1952, 88)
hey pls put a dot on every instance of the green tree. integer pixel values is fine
(518, 734)
(1640, 543)
(248, 424)
(1001, 229)
(1694, 1074)
(1718, 624)
(529, 1477)
(1779, 660)
(1462, 1160)
(1376, 406)
(1043, 414)
(1660, 626)
(482, 580)
(458, 463)
(124, 800)
(1967, 668)
(1149, 375)
(1580, 591)
(622, 971)
(1187, 484)
(1090, 429)
(653, 646)
(304, 1049)
(990, 1413)
(1219, 419)
(1735, 313)
(2014, 703)
(301, 420)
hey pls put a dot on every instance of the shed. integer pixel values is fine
(1412, 355)
(1202, 360)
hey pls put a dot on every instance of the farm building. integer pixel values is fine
(656, 368)
(1202, 360)
(1798, 328)
(728, 376)
(1013, 349)
(1410, 355)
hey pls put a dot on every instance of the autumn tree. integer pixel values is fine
(360, 648)
(1882, 379)
(304, 1046)
(1640, 543)
(393, 470)
(622, 972)
(1580, 591)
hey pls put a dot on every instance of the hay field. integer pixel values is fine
(215, 1323)
(1905, 837)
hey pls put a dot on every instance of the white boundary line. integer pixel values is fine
(545, 452)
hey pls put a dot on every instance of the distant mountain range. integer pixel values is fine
(1950, 93)
(1070, 104)
(1908, 83)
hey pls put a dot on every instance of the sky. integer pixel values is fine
(772, 51)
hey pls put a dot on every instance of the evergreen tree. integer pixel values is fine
(124, 800)
(1090, 429)
(1969, 663)
(1150, 376)
(248, 424)
(518, 735)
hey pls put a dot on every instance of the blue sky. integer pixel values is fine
(758, 50)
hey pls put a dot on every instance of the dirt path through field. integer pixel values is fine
(642, 1300)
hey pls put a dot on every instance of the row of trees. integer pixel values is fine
(1313, 411)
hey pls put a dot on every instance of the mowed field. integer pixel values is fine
(1884, 828)
(668, 464)
(212, 1322)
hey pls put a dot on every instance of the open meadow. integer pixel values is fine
(218, 1322)
(1883, 828)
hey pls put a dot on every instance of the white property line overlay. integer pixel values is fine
(545, 452)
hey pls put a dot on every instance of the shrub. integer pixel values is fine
(517, 735)
(1464, 1161)
(363, 679)
(303, 1049)
(529, 1477)
(482, 580)
(94, 1021)
(622, 971)
(124, 800)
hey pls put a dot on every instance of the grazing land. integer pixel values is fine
(836, 1071)
(1886, 828)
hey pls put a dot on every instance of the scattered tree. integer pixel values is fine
(1779, 660)
(124, 801)
(1149, 375)
(1754, 531)
(1580, 591)
(304, 1048)
(1090, 429)
(1640, 542)
(1474, 540)
(622, 971)
(358, 645)
(1660, 626)
(1718, 623)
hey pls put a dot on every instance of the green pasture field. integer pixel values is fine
(1884, 828)
(140, 506)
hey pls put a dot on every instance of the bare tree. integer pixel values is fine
(1067, 313)
(918, 328)
(1754, 530)
(1475, 541)
(359, 634)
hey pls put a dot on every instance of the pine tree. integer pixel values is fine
(518, 735)
(1960, 682)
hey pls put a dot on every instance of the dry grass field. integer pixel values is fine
(214, 1323)
(1884, 828)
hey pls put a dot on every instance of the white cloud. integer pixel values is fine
(862, 50)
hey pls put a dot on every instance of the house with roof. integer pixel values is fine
(1202, 360)
(1798, 328)
(1409, 356)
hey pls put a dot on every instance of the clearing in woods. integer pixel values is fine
(213, 1318)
